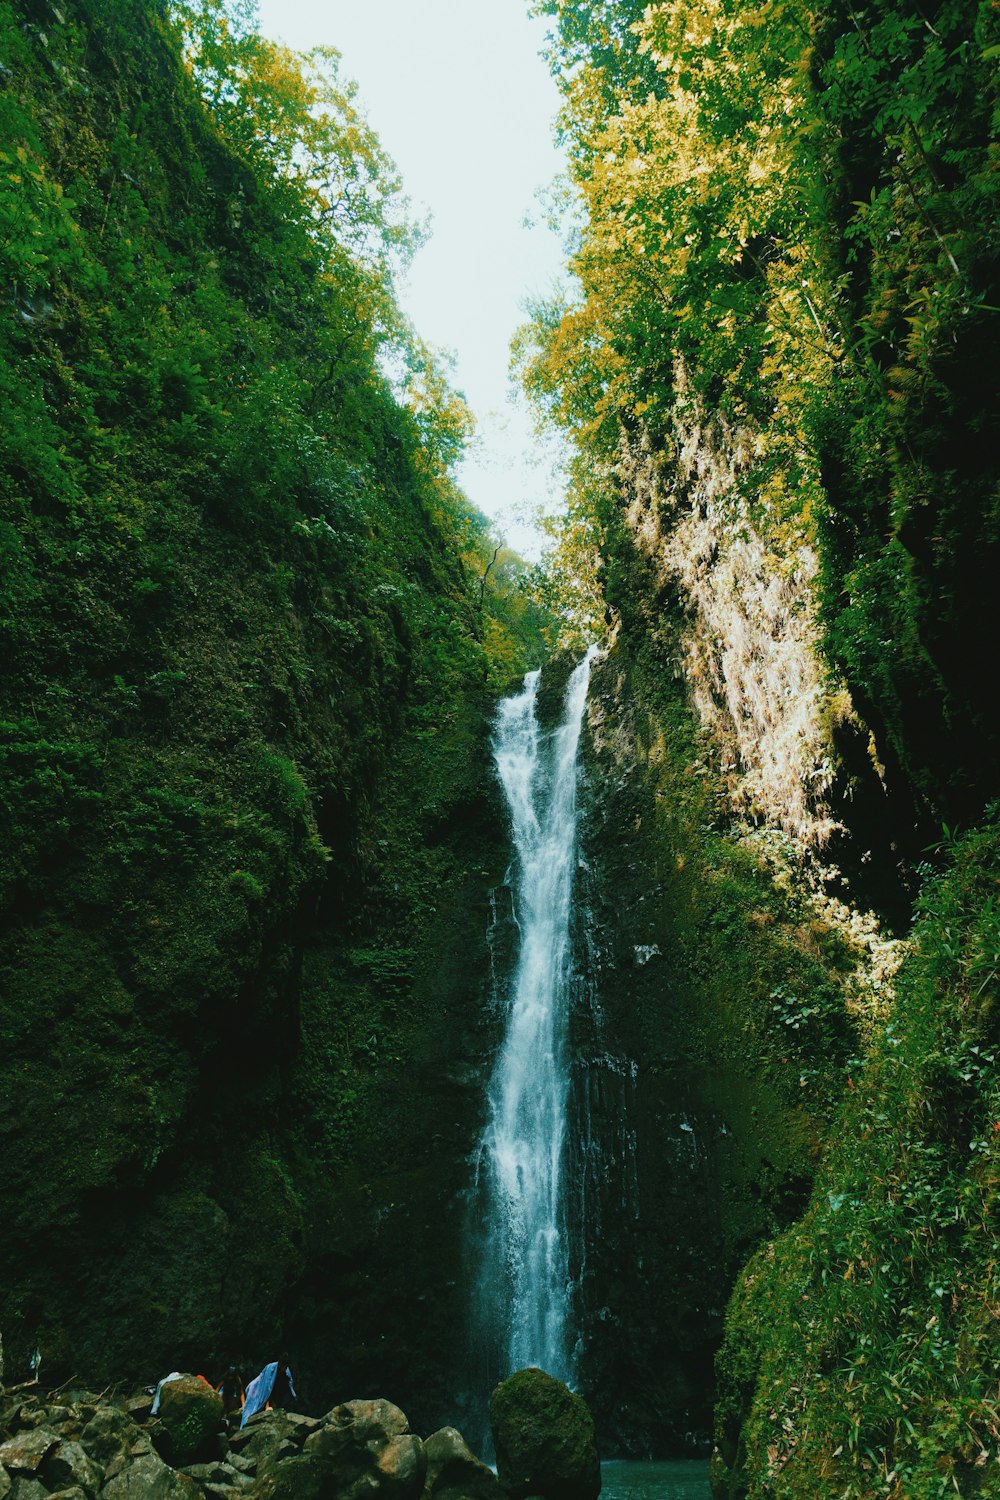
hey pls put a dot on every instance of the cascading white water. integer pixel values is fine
(525, 1276)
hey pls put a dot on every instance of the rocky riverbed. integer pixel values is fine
(74, 1445)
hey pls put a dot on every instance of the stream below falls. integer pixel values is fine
(676, 1479)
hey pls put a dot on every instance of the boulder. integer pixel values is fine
(109, 1434)
(453, 1470)
(368, 1450)
(5, 1484)
(57, 1415)
(68, 1467)
(23, 1488)
(192, 1413)
(301, 1427)
(544, 1439)
(31, 1416)
(23, 1454)
(139, 1407)
(218, 1474)
(266, 1440)
(373, 1419)
(149, 1478)
(304, 1477)
(401, 1467)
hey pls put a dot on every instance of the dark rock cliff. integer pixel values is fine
(716, 1019)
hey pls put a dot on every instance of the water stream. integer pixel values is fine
(680, 1479)
(525, 1274)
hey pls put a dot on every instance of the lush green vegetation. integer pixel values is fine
(745, 1000)
(774, 363)
(248, 625)
(788, 231)
(251, 629)
(862, 1344)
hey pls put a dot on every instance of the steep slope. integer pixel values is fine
(774, 368)
(243, 722)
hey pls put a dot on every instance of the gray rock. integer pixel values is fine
(401, 1467)
(304, 1477)
(266, 1440)
(331, 1442)
(277, 1451)
(73, 1493)
(242, 1437)
(373, 1417)
(453, 1470)
(109, 1434)
(269, 1446)
(219, 1474)
(139, 1407)
(56, 1414)
(149, 1478)
(369, 1451)
(125, 1456)
(5, 1484)
(24, 1452)
(300, 1426)
(31, 1414)
(71, 1429)
(68, 1466)
(23, 1488)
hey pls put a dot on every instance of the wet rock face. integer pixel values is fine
(544, 1438)
(701, 1137)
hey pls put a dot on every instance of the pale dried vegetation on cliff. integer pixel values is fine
(750, 638)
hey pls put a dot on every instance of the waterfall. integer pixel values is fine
(525, 1273)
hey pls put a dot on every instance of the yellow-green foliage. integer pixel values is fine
(778, 354)
(788, 228)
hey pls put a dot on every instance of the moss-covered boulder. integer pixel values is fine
(192, 1415)
(544, 1438)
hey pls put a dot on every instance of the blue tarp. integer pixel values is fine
(174, 1375)
(259, 1390)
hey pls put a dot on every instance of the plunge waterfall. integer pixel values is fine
(525, 1275)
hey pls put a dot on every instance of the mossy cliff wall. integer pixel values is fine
(774, 363)
(720, 1019)
(245, 807)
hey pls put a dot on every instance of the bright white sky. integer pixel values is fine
(460, 98)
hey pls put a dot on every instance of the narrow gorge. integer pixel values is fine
(424, 962)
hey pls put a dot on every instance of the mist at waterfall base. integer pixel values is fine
(523, 1231)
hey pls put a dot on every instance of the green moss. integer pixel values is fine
(859, 1343)
(243, 714)
(733, 989)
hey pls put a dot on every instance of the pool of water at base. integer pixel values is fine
(677, 1479)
